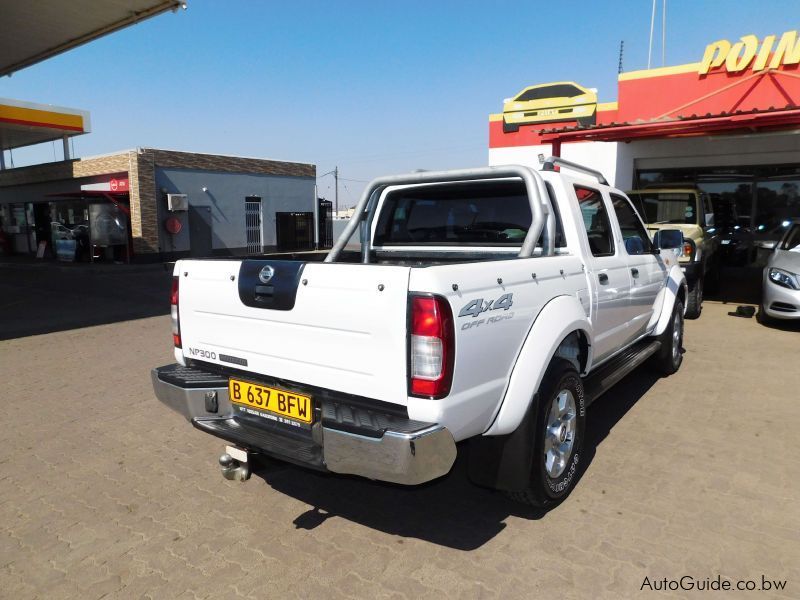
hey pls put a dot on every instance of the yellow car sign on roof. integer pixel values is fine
(550, 102)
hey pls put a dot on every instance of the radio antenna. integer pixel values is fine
(664, 33)
(650, 45)
(621, 49)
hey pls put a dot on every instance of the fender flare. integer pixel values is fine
(560, 317)
(675, 286)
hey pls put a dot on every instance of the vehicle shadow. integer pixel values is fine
(44, 298)
(450, 511)
(738, 285)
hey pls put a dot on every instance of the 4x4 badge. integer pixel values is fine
(478, 306)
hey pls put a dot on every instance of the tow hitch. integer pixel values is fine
(234, 464)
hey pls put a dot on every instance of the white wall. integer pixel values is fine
(601, 156)
(617, 160)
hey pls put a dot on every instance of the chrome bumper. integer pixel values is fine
(408, 458)
(191, 402)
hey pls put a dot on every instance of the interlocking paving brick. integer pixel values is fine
(104, 493)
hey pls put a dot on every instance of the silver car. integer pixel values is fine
(781, 297)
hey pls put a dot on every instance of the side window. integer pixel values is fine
(595, 220)
(560, 241)
(633, 232)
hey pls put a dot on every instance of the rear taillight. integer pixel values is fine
(431, 344)
(173, 311)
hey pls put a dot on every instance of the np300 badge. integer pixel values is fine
(266, 274)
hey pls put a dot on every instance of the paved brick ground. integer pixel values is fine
(104, 493)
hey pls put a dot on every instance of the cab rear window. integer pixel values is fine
(477, 214)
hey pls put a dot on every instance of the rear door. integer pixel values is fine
(608, 272)
(337, 326)
(647, 270)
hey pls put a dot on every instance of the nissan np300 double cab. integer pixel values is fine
(489, 306)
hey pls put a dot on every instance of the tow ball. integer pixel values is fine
(234, 464)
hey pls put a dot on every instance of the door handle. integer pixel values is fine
(603, 278)
(635, 272)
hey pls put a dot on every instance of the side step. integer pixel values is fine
(606, 376)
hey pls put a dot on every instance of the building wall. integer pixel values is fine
(225, 195)
(602, 156)
(618, 160)
(283, 186)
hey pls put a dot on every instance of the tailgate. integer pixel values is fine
(336, 326)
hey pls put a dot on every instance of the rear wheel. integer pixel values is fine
(559, 422)
(669, 358)
(694, 300)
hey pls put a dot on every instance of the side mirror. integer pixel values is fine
(669, 239)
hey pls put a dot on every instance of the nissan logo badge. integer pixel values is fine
(266, 274)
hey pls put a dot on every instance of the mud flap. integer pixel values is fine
(504, 462)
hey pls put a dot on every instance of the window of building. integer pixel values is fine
(595, 221)
(759, 198)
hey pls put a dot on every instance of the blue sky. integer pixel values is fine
(375, 87)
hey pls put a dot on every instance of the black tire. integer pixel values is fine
(669, 358)
(544, 490)
(762, 317)
(694, 300)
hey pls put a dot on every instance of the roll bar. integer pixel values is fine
(541, 212)
(551, 163)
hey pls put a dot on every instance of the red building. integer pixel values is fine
(729, 124)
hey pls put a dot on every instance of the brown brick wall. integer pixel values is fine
(116, 163)
(71, 169)
(144, 208)
(230, 164)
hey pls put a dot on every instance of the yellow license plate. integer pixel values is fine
(280, 402)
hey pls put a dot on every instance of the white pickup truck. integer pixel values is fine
(490, 305)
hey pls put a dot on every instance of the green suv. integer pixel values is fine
(688, 209)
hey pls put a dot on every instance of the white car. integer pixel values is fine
(781, 292)
(490, 305)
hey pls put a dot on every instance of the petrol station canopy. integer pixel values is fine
(36, 30)
(26, 123)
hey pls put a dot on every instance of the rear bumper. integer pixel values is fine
(344, 439)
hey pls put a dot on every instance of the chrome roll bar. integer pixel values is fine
(551, 163)
(541, 212)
